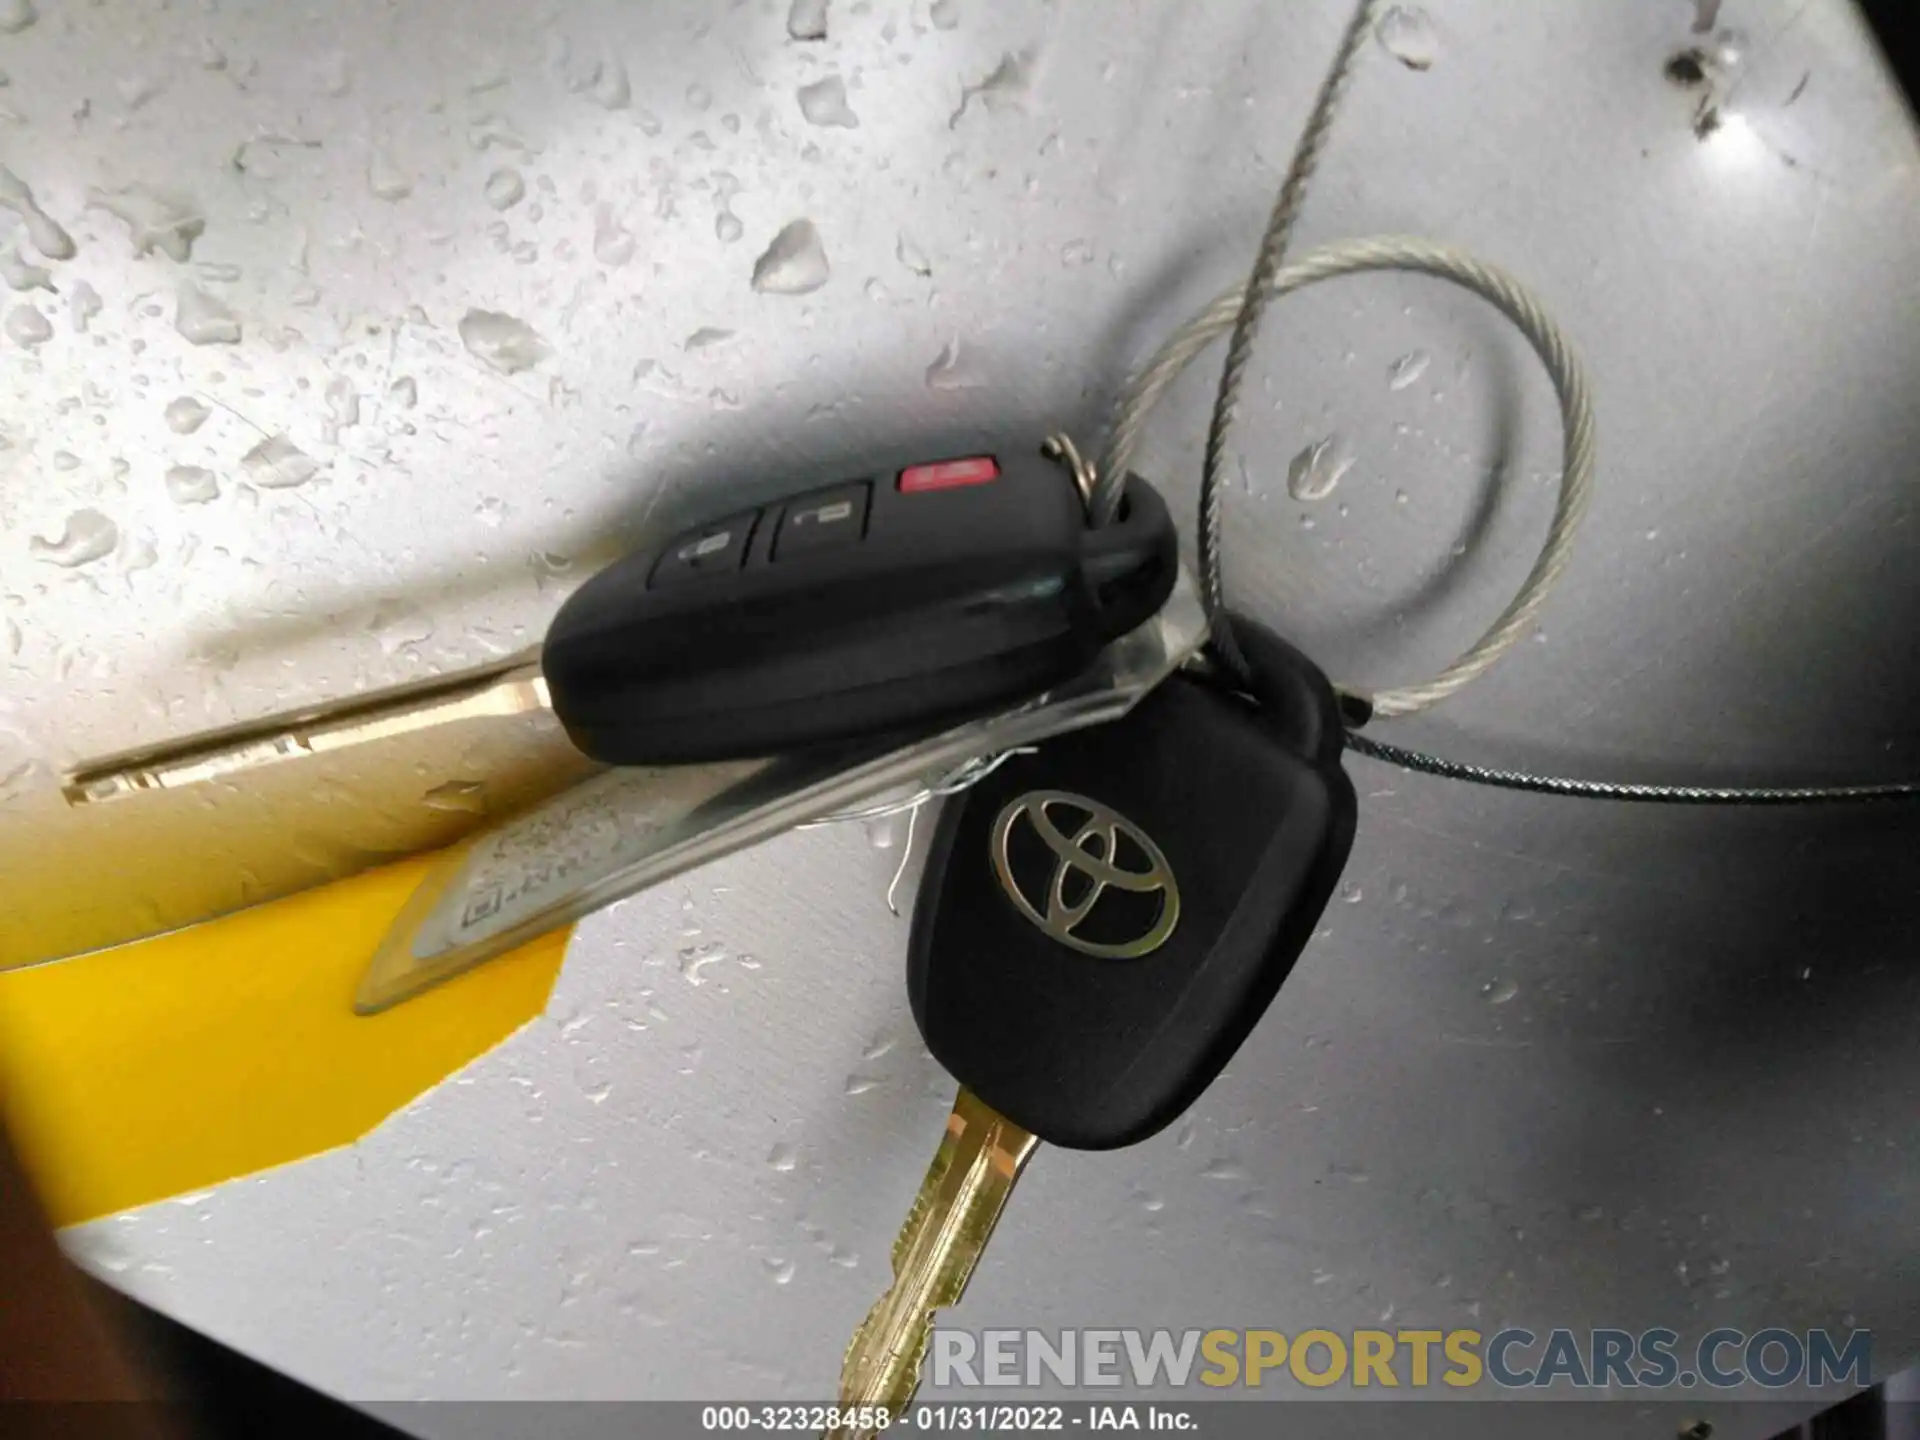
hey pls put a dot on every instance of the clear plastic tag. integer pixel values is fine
(620, 831)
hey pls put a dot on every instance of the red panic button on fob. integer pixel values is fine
(949, 474)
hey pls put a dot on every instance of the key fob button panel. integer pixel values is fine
(851, 609)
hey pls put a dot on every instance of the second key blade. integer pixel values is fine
(960, 1200)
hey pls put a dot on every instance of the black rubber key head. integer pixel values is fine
(1102, 923)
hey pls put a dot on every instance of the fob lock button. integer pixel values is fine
(716, 549)
(824, 520)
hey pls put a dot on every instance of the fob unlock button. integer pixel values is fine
(716, 549)
(824, 520)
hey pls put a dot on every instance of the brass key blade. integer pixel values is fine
(511, 687)
(980, 1156)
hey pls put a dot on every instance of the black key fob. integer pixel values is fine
(908, 596)
(1102, 922)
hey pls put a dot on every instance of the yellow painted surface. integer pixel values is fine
(181, 1061)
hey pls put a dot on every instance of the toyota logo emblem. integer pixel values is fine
(1089, 860)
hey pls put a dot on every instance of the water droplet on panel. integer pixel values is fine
(27, 327)
(912, 256)
(385, 178)
(136, 90)
(27, 775)
(1224, 1169)
(858, 1084)
(343, 407)
(1406, 33)
(945, 14)
(203, 320)
(1352, 894)
(1499, 992)
(192, 485)
(336, 75)
(17, 15)
(806, 19)
(1408, 369)
(782, 1158)
(780, 1269)
(458, 797)
(727, 227)
(1317, 470)
(549, 566)
(695, 961)
(276, 463)
(46, 234)
(705, 336)
(21, 274)
(84, 304)
(503, 342)
(404, 392)
(65, 460)
(139, 551)
(699, 97)
(825, 103)
(489, 74)
(397, 624)
(86, 537)
(505, 188)
(609, 87)
(1005, 87)
(951, 370)
(613, 243)
(795, 263)
(490, 131)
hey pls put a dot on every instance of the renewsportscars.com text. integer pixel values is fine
(1512, 1358)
